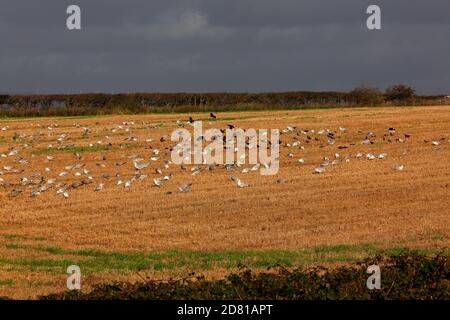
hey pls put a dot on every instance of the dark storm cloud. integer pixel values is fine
(219, 45)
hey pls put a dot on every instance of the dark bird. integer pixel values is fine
(191, 120)
(230, 126)
(212, 115)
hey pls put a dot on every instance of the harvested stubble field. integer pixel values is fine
(296, 218)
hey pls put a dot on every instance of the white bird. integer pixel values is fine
(13, 152)
(141, 166)
(157, 182)
(128, 184)
(185, 188)
(398, 167)
(99, 187)
(167, 178)
(319, 170)
(239, 182)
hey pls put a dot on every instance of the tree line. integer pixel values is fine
(140, 103)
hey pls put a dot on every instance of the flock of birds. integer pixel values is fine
(81, 175)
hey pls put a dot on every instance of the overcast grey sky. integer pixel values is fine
(223, 45)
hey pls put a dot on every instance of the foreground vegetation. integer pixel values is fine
(409, 275)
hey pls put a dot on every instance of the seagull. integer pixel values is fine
(185, 188)
(319, 170)
(76, 185)
(141, 166)
(35, 194)
(239, 182)
(15, 193)
(99, 187)
(157, 182)
(128, 183)
(398, 167)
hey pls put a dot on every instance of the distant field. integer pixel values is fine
(296, 218)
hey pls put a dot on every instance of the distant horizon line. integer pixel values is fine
(191, 92)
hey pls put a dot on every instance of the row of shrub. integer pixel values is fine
(139, 103)
(409, 275)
